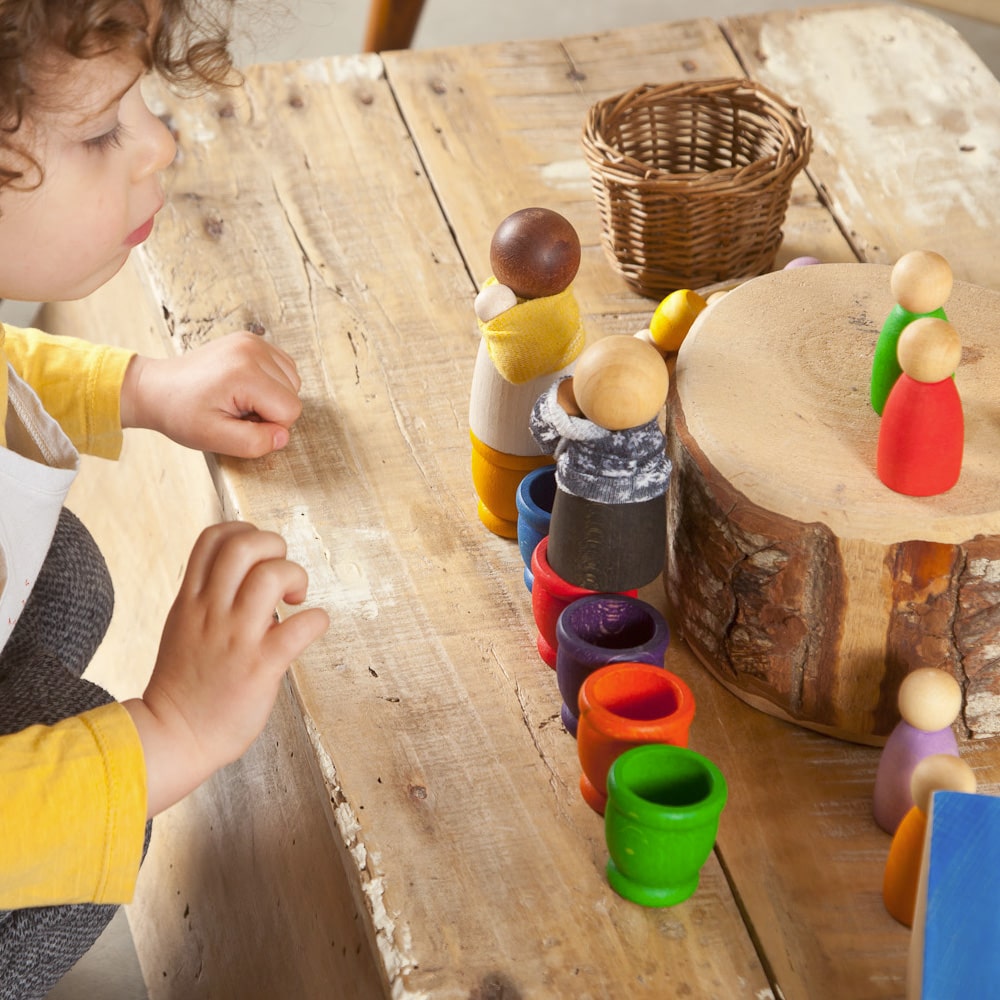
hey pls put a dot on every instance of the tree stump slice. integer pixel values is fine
(802, 583)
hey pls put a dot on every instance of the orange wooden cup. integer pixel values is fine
(624, 705)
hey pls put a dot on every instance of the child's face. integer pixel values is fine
(101, 149)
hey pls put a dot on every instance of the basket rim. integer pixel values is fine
(790, 127)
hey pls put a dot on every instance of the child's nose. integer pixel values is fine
(158, 148)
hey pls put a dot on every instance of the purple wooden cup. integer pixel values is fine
(600, 629)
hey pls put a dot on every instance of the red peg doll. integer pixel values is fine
(922, 434)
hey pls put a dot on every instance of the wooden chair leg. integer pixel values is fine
(391, 24)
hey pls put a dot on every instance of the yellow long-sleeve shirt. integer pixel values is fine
(79, 384)
(72, 795)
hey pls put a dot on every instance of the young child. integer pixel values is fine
(79, 774)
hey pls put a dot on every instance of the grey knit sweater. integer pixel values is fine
(597, 464)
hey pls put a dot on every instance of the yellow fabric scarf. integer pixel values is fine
(535, 337)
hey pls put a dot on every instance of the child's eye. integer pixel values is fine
(111, 139)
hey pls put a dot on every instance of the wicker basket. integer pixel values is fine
(693, 180)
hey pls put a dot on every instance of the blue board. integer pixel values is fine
(961, 920)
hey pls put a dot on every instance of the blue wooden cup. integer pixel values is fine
(533, 499)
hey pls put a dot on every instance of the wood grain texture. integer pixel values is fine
(448, 786)
(499, 128)
(905, 125)
(258, 832)
(801, 580)
(347, 214)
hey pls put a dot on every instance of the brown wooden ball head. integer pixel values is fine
(620, 382)
(535, 252)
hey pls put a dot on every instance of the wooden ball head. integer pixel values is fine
(940, 772)
(901, 879)
(535, 252)
(929, 350)
(921, 281)
(620, 382)
(493, 301)
(929, 699)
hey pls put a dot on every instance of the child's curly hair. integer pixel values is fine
(186, 42)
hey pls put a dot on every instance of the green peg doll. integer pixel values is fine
(921, 283)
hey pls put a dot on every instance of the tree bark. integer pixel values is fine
(803, 584)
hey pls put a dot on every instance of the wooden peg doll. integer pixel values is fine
(922, 434)
(929, 702)
(902, 867)
(531, 335)
(608, 527)
(921, 283)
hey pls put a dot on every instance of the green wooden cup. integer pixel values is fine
(661, 820)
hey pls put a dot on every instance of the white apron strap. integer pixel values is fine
(36, 470)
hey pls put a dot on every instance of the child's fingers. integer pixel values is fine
(287, 640)
(287, 367)
(269, 399)
(206, 551)
(250, 436)
(268, 357)
(234, 559)
(267, 583)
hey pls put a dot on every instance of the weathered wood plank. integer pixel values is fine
(302, 210)
(499, 126)
(804, 800)
(264, 823)
(906, 122)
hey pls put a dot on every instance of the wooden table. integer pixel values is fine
(409, 825)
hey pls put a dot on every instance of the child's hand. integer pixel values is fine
(222, 657)
(236, 396)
